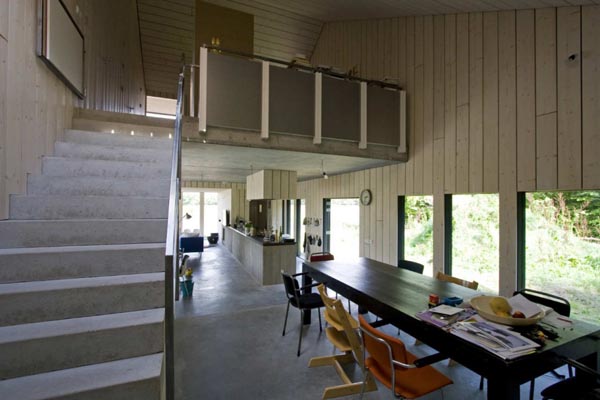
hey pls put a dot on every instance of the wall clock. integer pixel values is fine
(366, 197)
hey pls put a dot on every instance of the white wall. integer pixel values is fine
(495, 105)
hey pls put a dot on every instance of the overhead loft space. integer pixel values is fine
(258, 102)
(220, 163)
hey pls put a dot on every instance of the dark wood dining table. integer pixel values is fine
(397, 295)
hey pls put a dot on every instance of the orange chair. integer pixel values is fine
(398, 369)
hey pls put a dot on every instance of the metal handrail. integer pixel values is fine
(172, 246)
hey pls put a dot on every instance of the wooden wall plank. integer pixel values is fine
(475, 102)
(411, 102)
(419, 91)
(392, 234)
(439, 106)
(428, 104)
(545, 108)
(462, 103)
(373, 213)
(450, 104)
(590, 47)
(568, 45)
(385, 214)
(507, 128)
(526, 121)
(490, 102)
(4, 20)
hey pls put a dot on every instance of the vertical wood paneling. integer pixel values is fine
(419, 91)
(475, 103)
(450, 104)
(392, 234)
(568, 44)
(545, 108)
(462, 103)
(507, 128)
(411, 101)
(490, 102)
(526, 116)
(438, 106)
(428, 104)
(591, 96)
(385, 214)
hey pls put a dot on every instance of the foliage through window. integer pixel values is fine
(562, 248)
(475, 239)
(418, 231)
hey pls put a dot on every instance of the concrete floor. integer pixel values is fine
(229, 344)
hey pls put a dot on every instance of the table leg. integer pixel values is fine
(502, 389)
(306, 281)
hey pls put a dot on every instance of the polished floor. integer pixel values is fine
(229, 343)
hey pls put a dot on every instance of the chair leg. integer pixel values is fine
(286, 317)
(300, 335)
(349, 308)
(531, 389)
(481, 382)
(319, 314)
(560, 376)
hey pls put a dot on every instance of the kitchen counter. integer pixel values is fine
(262, 241)
(264, 260)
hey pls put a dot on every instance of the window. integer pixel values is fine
(562, 248)
(415, 226)
(341, 228)
(301, 206)
(191, 207)
(475, 238)
(211, 213)
(160, 107)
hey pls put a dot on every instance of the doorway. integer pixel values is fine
(341, 228)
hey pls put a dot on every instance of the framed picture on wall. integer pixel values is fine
(60, 44)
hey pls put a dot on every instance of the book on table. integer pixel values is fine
(503, 342)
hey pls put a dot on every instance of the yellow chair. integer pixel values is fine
(449, 278)
(336, 316)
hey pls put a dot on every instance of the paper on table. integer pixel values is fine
(527, 307)
(446, 310)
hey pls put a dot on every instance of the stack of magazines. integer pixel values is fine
(504, 343)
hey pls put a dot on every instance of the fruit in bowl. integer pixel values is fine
(498, 309)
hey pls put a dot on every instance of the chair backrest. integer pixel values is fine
(330, 314)
(351, 332)
(411, 266)
(379, 352)
(325, 256)
(292, 287)
(449, 278)
(558, 304)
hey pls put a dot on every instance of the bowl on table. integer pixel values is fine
(482, 305)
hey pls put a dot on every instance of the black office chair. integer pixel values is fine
(559, 305)
(411, 266)
(585, 385)
(303, 302)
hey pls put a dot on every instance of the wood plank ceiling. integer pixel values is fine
(282, 28)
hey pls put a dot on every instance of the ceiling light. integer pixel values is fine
(132, 133)
(323, 171)
(112, 131)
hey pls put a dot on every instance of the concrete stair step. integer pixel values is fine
(107, 139)
(61, 166)
(52, 233)
(51, 263)
(97, 186)
(78, 207)
(112, 152)
(29, 302)
(131, 378)
(34, 348)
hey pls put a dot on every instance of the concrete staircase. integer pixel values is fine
(82, 272)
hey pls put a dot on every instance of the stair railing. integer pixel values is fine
(172, 251)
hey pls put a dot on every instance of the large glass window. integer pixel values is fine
(211, 213)
(418, 231)
(344, 229)
(475, 238)
(562, 248)
(191, 209)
